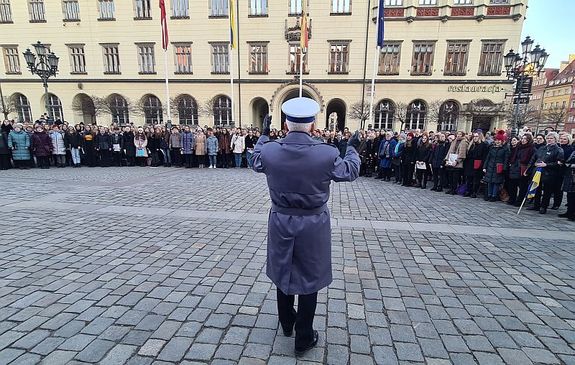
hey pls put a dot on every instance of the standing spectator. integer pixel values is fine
(438, 154)
(73, 141)
(518, 162)
(188, 145)
(104, 146)
(4, 150)
(569, 187)
(117, 146)
(342, 145)
(175, 145)
(250, 141)
(565, 144)
(455, 157)
(539, 141)
(19, 142)
(164, 147)
(201, 147)
(549, 158)
(408, 159)
(496, 165)
(154, 147)
(42, 147)
(225, 142)
(212, 148)
(128, 145)
(89, 146)
(422, 159)
(58, 146)
(6, 127)
(396, 158)
(368, 154)
(386, 147)
(238, 148)
(141, 144)
(473, 164)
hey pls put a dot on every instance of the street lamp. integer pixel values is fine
(520, 67)
(43, 64)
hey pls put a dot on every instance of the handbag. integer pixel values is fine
(477, 164)
(499, 168)
(462, 189)
(420, 165)
(504, 195)
(140, 152)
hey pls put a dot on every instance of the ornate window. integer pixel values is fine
(422, 62)
(294, 59)
(219, 8)
(55, 107)
(22, 108)
(5, 11)
(11, 60)
(146, 59)
(142, 9)
(448, 114)
(384, 114)
(106, 9)
(222, 109)
(187, 110)
(258, 58)
(341, 6)
(111, 58)
(491, 60)
(180, 8)
(152, 110)
(183, 58)
(339, 57)
(71, 10)
(389, 58)
(36, 11)
(119, 109)
(258, 7)
(456, 59)
(416, 114)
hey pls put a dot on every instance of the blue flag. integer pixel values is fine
(380, 19)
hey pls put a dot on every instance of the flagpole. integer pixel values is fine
(231, 65)
(168, 103)
(522, 204)
(375, 59)
(301, 72)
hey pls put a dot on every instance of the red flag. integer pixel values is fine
(164, 22)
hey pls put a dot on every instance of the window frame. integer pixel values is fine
(216, 57)
(146, 57)
(146, 10)
(23, 109)
(263, 55)
(340, 7)
(183, 6)
(55, 110)
(343, 53)
(5, 12)
(410, 112)
(113, 10)
(37, 7)
(221, 4)
(187, 110)
(180, 69)
(379, 111)
(382, 56)
(296, 54)
(119, 109)
(454, 70)
(253, 8)
(153, 114)
(219, 110)
(12, 64)
(65, 10)
(417, 59)
(482, 69)
(80, 57)
(115, 56)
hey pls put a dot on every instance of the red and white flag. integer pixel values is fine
(164, 22)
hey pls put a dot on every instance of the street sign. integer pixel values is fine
(522, 100)
(524, 85)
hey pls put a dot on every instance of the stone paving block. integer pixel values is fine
(119, 355)
(175, 349)
(95, 351)
(201, 351)
(514, 357)
(27, 359)
(384, 355)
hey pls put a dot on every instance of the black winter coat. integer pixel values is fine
(128, 144)
(476, 152)
(4, 150)
(551, 155)
(104, 141)
(408, 156)
(423, 153)
(520, 156)
(496, 155)
(438, 154)
(73, 140)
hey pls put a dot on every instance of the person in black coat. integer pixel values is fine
(438, 154)
(129, 148)
(104, 146)
(565, 144)
(495, 166)
(550, 159)
(518, 162)
(408, 159)
(473, 164)
(4, 152)
(422, 159)
(73, 141)
(117, 146)
(569, 187)
(368, 154)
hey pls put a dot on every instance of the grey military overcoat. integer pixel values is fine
(299, 171)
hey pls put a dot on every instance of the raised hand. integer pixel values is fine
(266, 127)
(354, 140)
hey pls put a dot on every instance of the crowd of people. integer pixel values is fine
(495, 165)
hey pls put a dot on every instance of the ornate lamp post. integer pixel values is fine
(521, 67)
(43, 64)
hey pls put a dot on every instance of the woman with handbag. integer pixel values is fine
(518, 161)
(408, 159)
(141, 144)
(422, 158)
(473, 164)
(496, 165)
(569, 187)
(454, 161)
(396, 158)
(386, 148)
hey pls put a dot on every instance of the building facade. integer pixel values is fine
(558, 99)
(440, 68)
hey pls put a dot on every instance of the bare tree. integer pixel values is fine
(7, 106)
(401, 114)
(359, 112)
(555, 116)
(524, 115)
(434, 110)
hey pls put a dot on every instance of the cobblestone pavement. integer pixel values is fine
(166, 266)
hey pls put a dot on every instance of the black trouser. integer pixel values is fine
(407, 173)
(176, 156)
(550, 187)
(131, 160)
(43, 162)
(512, 186)
(117, 158)
(571, 204)
(397, 172)
(5, 162)
(422, 177)
(303, 318)
(454, 179)
(474, 181)
(188, 160)
(104, 158)
(523, 186)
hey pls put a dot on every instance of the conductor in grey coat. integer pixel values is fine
(299, 172)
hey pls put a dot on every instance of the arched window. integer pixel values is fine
(152, 109)
(55, 107)
(187, 110)
(448, 114)
(119, 109)
(416, 114)
(22, 108)
(222, 111)
(384, 113)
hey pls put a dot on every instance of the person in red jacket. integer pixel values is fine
(42, 147)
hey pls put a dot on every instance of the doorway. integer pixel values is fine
(335, 116)
(481, 122)
(260, 109)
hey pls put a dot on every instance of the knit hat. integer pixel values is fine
(410, 134)
(501, 136)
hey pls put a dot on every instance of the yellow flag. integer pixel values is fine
(232, 9)
(304, 35)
